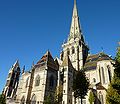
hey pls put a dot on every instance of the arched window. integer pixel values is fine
(109, 73)
(73, 50)
(100, 74)
(103, 74)
(33, 99)
(22, 100)
(27, 80)
(51, 82)
(37, 80)
(68, 51)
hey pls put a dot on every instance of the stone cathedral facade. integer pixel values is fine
(35, 85)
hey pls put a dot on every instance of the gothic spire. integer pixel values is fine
(75, 30)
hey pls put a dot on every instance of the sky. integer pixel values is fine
(28, 28)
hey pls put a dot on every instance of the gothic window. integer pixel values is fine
(37, 80)
(27, 82)
(100, 74)
(68, 51)
(22, 100)
(109, 73)
(103, 74)
(73, 50)
(33, 99)
(51, 82)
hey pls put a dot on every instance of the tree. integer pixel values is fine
(91, 97)
(58, 94)
(113, 92)
(48, 100)
(2, 99)
(80, 85)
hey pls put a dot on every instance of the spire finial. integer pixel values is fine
(74, 2)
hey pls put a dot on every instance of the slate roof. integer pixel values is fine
(46, 59)
(91, 61)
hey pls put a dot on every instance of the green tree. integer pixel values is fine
(2, 99)
(80, 85)
(58, 95)
(113, 92)
(48, 100)
(91, 97)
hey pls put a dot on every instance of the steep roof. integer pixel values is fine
(46, 59)
(91, 62)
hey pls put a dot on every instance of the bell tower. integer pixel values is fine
(75, 47)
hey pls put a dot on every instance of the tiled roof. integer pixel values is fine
(91, 61)
(46, 59)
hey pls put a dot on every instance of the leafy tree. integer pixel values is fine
(80, 85)
(91, 97)
(58, 94)
(113, 92)
(48, 100)
(2, 99)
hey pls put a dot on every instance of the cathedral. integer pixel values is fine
(48, 74)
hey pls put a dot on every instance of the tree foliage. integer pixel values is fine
(48, 100)
(80, 85)
(58, 95)
(2, 99)
(113, 92)
(91, 97)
